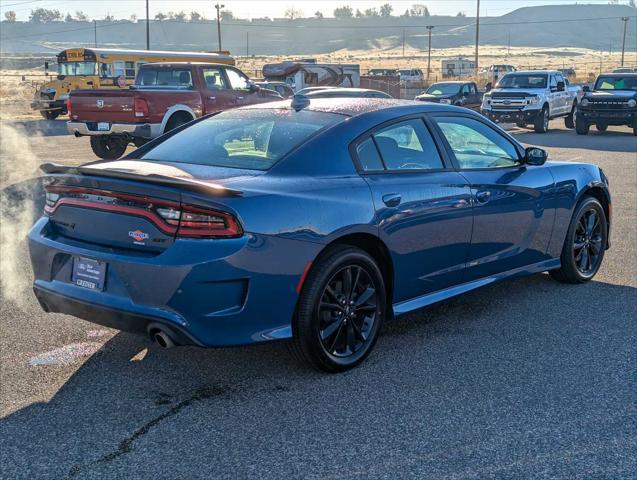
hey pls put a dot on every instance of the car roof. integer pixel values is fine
(459, 82)
(353, 107)
(523, 72)
(619, 74)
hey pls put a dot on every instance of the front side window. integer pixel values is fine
(408, 146)
(438, 89)
(237, 81)
(246, 139)
(214, 79)
(476, 145)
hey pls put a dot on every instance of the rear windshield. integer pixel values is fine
(617, 83)
(523, 81)
(246, 139)
(178, 77)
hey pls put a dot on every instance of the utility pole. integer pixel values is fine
(625, 20)
(429, 27)
(219, 7)
(147, 28)
(247, 44)
(403, 43)
(95, 32)
(477, 35)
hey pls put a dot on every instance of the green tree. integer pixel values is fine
(418, 10)
(180, 17)
(318, 14)
(385, 10)
(343, 12)
(10, 16)
(461, 14)
(68, 18)
(44, 15)
(80, 16)
(195, 17)
(371, 12)
(109, 18)
(161, 17)
(226, 15)
(293, 13)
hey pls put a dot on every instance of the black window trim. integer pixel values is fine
(442, 153)
(519, 148)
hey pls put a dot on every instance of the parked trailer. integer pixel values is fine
(300, 75)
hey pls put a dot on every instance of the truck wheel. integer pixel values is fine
(541, 122)
(177, 120)
(50, 114)
(581, 126)
(108, 147)
(601, 127)
(569, 120)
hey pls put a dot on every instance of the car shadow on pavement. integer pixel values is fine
(609, 141)
(132, 401)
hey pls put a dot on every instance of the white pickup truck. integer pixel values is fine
(532, 97)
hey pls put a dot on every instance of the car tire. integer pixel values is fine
(601, 127)
(581, 126)
(176, 121)
(336, 326)
(50, 114)
(541, 122)
(585, 243)
(108, 147)
(569, 120)
(521, 124)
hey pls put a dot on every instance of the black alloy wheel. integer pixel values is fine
(347, 311)
(340, 310)
(585, 243)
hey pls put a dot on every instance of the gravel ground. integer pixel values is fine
(523, 379)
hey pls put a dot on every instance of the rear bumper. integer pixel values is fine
(208, 292)
(133, 130)
(613, 117)
(511, 116)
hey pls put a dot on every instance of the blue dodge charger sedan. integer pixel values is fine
(314, 221)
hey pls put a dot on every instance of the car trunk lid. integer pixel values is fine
(103, 106)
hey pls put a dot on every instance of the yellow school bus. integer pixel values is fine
(104, 68)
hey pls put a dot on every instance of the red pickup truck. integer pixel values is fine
(164, 96)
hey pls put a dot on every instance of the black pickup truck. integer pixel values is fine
(613, 101)
(462, 94)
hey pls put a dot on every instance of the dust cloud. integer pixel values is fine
(20, 190)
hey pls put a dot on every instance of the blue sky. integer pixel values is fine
(271, 8)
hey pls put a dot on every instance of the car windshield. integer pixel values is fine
(246, 139)
(523, 81)
(73, 69)
(617, 83)
(444, 89)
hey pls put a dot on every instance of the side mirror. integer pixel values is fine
(254, 87)
(586, 88)
(535, 156)
(560, 86)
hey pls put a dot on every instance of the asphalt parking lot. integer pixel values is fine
(523, 379)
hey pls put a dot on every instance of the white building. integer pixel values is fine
(457, 67)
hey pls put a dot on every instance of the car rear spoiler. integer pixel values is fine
(192, 185)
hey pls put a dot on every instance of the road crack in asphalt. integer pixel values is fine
(126, 445)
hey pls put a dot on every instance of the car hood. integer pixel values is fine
(432, 98)
(610, 95)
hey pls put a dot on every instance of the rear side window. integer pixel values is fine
(408, 146)
(368, 156)
(165, 77)
(246, 139)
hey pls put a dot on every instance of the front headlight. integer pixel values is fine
(585, 102)
(532, 100)
(632, 103)
(446, 101)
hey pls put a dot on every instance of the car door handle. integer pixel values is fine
(392, 199)
(483, 196)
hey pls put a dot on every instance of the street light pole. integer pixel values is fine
(219, 7)
(625, 20)
(429, 27)
(147, 28)
(95, 32)
(477, 36)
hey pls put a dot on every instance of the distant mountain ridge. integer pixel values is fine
(552, 26)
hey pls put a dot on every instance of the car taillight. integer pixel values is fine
(201, 223)
(141, 107)
(68, 106)
(185, 221)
